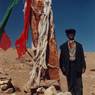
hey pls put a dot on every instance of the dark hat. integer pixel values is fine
(70, 31)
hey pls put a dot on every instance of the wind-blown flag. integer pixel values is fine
(21, 42)
(5, 41)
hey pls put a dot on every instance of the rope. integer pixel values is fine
(39, 59)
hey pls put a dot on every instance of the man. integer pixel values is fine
(72, 63)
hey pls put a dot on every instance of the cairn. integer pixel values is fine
(6, 85)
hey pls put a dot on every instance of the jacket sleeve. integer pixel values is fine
(82, 58)
(61, 60)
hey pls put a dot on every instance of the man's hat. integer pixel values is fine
(70, 31)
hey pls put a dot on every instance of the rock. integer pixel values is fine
(50, 91)
(65, 93)
(4, 87)
(10, 90)
(6, 84)
(28, 93)
(41, 90)
(3, 82)
(4, 79)
(46, 84)
(60, 93)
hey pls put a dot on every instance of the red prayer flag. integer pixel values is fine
(5, 41)
(21, 42)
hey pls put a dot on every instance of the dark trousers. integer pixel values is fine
(74, 81)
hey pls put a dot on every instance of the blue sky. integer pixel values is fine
(78, 14)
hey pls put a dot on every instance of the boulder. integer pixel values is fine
(50, 91)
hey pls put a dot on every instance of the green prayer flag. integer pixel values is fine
(8, 13)
(5, 41)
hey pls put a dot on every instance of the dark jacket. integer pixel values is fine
(64, 59)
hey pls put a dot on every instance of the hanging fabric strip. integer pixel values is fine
(21, 42)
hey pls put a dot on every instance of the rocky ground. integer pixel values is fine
(19, 72)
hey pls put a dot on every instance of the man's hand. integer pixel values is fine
(83, 70)
(63, 70)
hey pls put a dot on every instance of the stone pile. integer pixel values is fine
(48, 87)
(52, 91)
(6, 84)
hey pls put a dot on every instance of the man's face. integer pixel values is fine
(71, 36)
